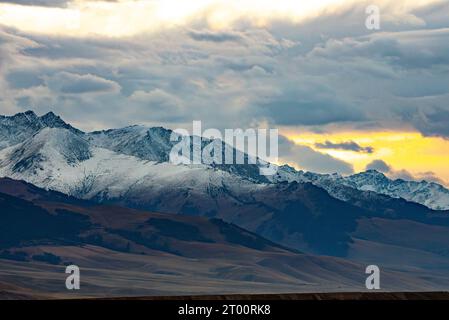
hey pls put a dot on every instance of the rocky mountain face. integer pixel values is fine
(322, 214)
(154, 144)
(16, 129)
(430, 194)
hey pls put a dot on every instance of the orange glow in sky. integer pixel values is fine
(401, 150)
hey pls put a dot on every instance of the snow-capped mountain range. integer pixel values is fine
(129, 167)
(50, 153)
(430, 194)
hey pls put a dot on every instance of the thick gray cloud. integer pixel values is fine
(378, 165)
(295, 109)
(309, 159)
(348, 145)
(382, 166)
(70, 83)
(402, 174)
(420, 176)
(325, 72)
(163, 106)
(214, 36)
(430, 176)
(430, 118)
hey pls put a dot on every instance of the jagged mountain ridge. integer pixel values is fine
(19, 127)
(153, 144)
(293, 209)
(430, 194)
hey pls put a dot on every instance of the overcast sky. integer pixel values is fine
(298, 66)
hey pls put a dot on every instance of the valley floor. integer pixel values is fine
(35, 280)
(109, 274)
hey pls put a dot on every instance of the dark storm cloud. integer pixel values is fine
(431, 120)
(304, 112)
(349, 145)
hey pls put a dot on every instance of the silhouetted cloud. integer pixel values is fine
(382, 166)
(430, 177)
(309, 159)
(378, 165)
(214, 36)
(349, 145)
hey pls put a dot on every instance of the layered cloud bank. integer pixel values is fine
(312, 66)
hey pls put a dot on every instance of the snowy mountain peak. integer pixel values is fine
(39, 149)
(369, 180)
(45, 148)
(53, 121)
(145, 143)
(21, 118)
(373, 174)
(28, 115)
(430, 194)
(30, 118)
(21, 126)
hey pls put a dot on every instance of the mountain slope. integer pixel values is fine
(16, 129)
(430, 194)
(109, 177)
(305, 211)
(51, 218)
(128, 252)
(153, 144)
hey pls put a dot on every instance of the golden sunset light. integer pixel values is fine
(409, 151)
(130, 17)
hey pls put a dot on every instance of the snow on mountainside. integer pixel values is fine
(127, 167)
(17, 128)
(117, 163)
(155, 144)
(61, 160)
(430, 194)
(145, 143)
